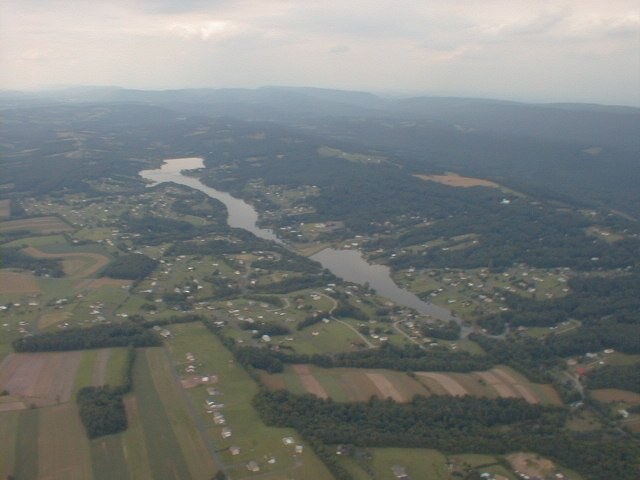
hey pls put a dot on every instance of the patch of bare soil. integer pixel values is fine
(454, 180)
(610, 395)
(40, 378)
(531, 464)
(385, 387)
(451, 386)
(310, 382)
(505, 391)
(522, 389)
(18, 282)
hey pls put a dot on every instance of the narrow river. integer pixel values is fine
(346, 264)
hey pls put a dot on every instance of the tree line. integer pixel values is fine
(452, 425)
(99, 336)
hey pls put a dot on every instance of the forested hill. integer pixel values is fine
(575, 152)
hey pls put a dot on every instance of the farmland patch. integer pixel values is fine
(612, 395)
(63, 450)
(385, 387)
(5, 208)
(76, 265)
(455, 180)
(18, 282)
(309, 381)
(40, 378)
(450, 386)
(49, 224)
(360, 384)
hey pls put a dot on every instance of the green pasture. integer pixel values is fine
(419, 463)
(256, 441)
(165, 456)
(332, 337)
(84, 374)
(9, 424)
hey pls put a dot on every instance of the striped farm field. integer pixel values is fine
(358, 384)
(50, 224)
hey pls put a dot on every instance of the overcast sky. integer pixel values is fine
(531, 50)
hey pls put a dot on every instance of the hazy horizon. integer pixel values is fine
(550, 51)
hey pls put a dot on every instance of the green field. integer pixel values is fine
(161, 442)
(419, 463)
(257, 442)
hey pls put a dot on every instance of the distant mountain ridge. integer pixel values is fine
(592, 125)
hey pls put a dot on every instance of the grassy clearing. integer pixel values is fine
(188, 437)
(256, 441)
(328, 338)
(108, 458)
(618, 358)
(165, 455)
(483, 463)
(26, 449)
(84, 374)
(419, 462)
(9, 422)
(134, 447)
(63, 448)
(116, 367)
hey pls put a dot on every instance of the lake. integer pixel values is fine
(346, 264)
(240, 213)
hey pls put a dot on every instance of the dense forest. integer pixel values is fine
(452, 425)
(133, 266)
(101, 411)
(624, 377)
(99, 336)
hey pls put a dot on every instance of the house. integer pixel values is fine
(344, 450)
(400, 472)
(299, 448)
(226, 433)
(252, 466)
(234, 450)
(288, 440)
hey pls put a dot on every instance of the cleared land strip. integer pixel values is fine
(99, 376)
(451, 386)
(386, 388)
(309, 381)
(522, 389)
(503, 390)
